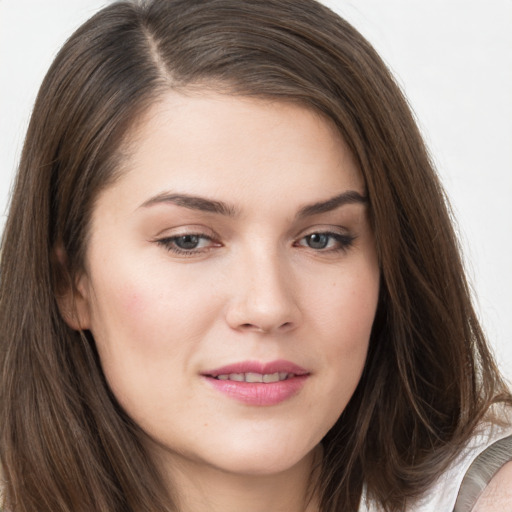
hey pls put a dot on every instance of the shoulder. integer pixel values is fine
(482, 472)
(479, 479)
(497, 496)
(487, 482)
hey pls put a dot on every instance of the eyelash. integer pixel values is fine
(169, 243)
(343, 242)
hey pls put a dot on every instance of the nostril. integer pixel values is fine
(254, 327)
(286, 326)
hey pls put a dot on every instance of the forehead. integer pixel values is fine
(235, 148)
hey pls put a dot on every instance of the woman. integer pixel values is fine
(229, 278)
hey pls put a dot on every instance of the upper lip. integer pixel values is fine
(277, 366)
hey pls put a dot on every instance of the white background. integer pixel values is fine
(453, 58)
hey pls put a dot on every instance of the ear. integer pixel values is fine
(71, 294)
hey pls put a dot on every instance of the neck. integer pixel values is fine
(198, 487)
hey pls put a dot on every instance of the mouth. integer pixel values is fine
(256, 377)
(272, 371)
(260, 384)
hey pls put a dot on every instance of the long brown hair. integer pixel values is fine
(66, 445)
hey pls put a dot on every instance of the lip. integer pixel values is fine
(258, 393)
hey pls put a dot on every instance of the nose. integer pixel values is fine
(264, 299)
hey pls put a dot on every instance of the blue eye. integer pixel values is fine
(188, 244)
(318, 240)
(327, 241)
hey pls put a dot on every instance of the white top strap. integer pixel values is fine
(480, 473)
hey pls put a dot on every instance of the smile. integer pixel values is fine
(258, 384)
(256, 377)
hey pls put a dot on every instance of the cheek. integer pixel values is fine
(146, 335)
(144, 309)
(344, 320)
(147, 325)
(346, 307)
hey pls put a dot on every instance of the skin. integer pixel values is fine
(257, 286)
(497, 496)
(254, 287)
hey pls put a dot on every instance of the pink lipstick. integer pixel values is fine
(257, 383)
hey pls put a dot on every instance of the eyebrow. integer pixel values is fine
(348, 197)
(194, 203)
(221, 208)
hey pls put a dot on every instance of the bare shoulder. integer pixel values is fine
(497, 496)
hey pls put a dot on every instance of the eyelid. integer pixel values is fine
(343, 237)
(324, 229)
(167, 240)
(185, 229)
(169, 244)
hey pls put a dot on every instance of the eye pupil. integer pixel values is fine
(187, 241)
(318, 240)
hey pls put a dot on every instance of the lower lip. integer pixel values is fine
(258, 393)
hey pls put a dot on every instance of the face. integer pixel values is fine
(231, 281)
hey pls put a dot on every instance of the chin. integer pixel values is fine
(262, 466)
(261, 457)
